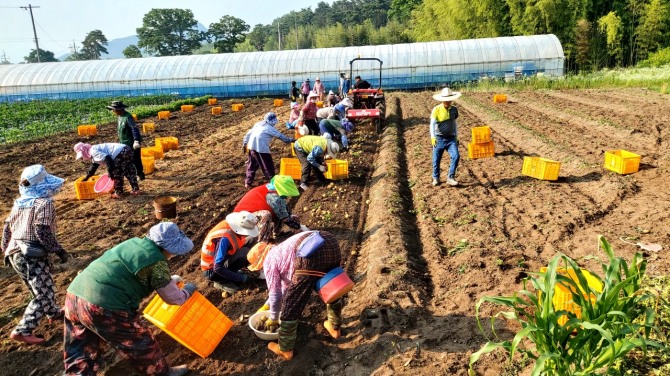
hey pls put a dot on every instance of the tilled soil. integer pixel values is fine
(421, 255)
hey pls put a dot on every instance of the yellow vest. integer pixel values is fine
(307, 143)
(440, 113)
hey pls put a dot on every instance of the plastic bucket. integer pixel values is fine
(165, 207)
(104, 184)
(334, 285)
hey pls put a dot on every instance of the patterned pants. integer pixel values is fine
(123, 166)
(86, 325)
(267, 225)
(256, 160)
(36, 274)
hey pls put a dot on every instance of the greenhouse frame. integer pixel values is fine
(266, 74)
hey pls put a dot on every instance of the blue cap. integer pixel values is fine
(270, 118)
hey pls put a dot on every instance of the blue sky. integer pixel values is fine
(58, 22)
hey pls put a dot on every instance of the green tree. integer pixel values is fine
(132, 51)
(653, 25)
(583, 39)
(245, 46)
(228, 32)
(401, 10)
(93, 45)
(169, 32)
(259, 36)
(612, 27)
(45, 56)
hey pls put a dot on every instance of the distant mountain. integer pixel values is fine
(115, 47)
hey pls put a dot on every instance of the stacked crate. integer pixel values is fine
(481, 145)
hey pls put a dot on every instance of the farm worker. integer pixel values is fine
(342, 107)
(287, 268)
(268, 203)
(337, 130)
(293, 117)
(311, 151)
(346, 86)
(129, 134)
(332, 99)
(258, 140)
(305, 89)
(223, 253)
(361, 84)
(308, 115)
(103, 299)
(117, 158)
(294, 92)
(28, 238)
(340, 89)
(325, 113)
(319, 88)
(443, 134)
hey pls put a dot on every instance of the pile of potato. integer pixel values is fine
(261, 325)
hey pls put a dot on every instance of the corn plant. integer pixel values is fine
(586, 345)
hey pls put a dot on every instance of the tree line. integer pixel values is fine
(594, 33)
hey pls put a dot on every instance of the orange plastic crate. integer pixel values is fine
(158, 152)
(187, 108)
(237, 107)
(337, 169)
(217, 110)
(541, 168)
(499, 98)
(622, 162)
(163, 115)
(148, 127)
(484, 150)
(291, 167)
(87, 130)
(147, 152)
(148, 165)
(278, 102)
(211, 101)
(83, 190)
(481, 135)
(563, 300)
(319, 104)
(197, 324)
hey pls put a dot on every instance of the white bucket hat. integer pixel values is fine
(333, 148)
(243, 223)
(446, 95)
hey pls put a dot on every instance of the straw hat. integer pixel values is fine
(243, 223)
(446, 95)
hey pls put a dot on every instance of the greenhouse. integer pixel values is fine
(405, 66)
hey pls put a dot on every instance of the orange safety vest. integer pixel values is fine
(208, 251)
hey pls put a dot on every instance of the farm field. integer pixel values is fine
(422, 256)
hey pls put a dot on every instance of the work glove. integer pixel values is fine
(190, 287)
(271, 322)
(345, 142)
(433, 141)
(176, 278)
(265, 307)
(63, 256)
(323, 168)
(87, 177)
(303, 228)
(136, 145)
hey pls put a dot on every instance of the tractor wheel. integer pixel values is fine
(381, 106)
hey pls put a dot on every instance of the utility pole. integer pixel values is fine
(297, 46)
(74, 48)
(30, 7)
(279, 35)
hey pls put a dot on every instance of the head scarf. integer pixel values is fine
(83, 151)
(270, 118)
(169, 237)
(257, 254)
(284, 185)
(40, 185)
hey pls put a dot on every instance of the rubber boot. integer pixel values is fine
(178, 370)
(274, 347)
(335, 333)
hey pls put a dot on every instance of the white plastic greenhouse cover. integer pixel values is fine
(405, 66)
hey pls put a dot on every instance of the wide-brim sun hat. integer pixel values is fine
(285, 186)
(446, 95)
(83, 150)
(116, 105)
(257, 254)
(37, 175)
(169, 237)
(243, 223)
(333, 148)
(312, 95)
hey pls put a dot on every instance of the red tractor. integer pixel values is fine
(368, 103)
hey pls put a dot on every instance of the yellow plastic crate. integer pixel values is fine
(319, 104)
(148, 127)
(187, 108)
(217, 110)
(211, 101)
(237, 107)
(622, 162)
(197, 324)
(158, 152)
(499, 98)
(292, 149)
(83, 190)
(481, 135)
(337, 169)
(541, 168)
(562, 299)
(278, 102)
(148, 165)
(87, 130)
(147, 152)
(484, 150)
(134, 117)
(291, 167)
(163, 115)
(174, 142)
